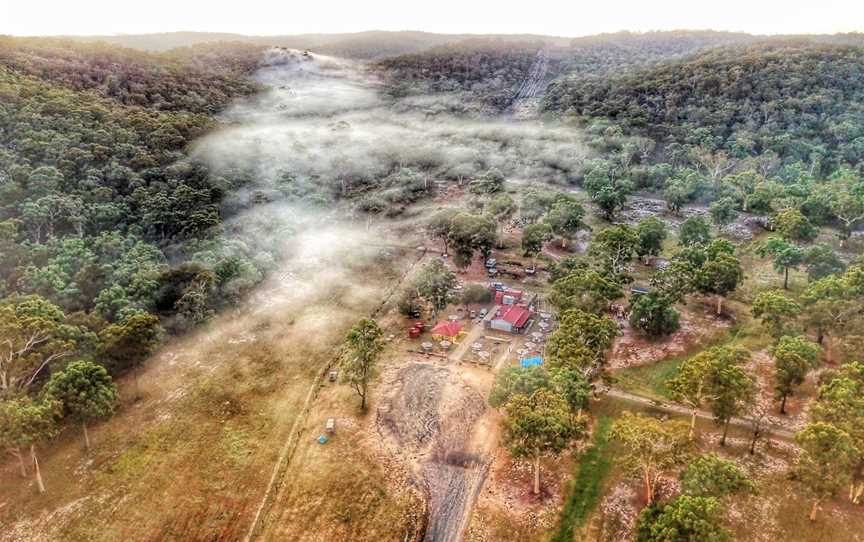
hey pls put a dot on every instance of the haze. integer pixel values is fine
(549, 17)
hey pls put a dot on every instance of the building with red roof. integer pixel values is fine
(510, 318)
(447, 329)
(508, 296)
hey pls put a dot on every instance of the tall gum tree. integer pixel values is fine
(540, 423)
(651, 447)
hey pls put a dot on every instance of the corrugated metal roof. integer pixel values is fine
(515, 315)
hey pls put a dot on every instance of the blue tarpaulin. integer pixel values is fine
(532, 361)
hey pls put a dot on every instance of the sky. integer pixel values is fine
(550, 17)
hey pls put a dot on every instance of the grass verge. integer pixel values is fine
(648, 380)
(585, 488)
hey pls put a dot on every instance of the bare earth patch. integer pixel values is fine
(507, 509)
(698, 327)
(426, 420)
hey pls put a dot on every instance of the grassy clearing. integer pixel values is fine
(341, 490)
(585, 488)
(216, 406)
(648, 380)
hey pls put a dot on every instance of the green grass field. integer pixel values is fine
(585, 489)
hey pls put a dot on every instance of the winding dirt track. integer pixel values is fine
(672, 408)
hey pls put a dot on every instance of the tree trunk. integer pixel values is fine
(537, 473)
(814, 509)
(649, 493)
(753, 442)
(719, 305)
(36, 468)
(857, 492)
(21, 465)
(692, 424)
(786, 279)
(86, 436)
(783, 403)
(725, 431)
(135, 371)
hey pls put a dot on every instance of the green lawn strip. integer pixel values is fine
(585, 488)
(648, 380)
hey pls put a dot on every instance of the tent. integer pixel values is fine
(532, 361)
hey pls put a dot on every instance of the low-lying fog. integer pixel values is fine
(328, 119)
(327, 122)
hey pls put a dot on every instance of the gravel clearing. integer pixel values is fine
(427, 421)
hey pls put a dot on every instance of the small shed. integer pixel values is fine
(447, 330)
(508, 296)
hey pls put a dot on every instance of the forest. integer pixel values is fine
(105, 221)
(800, 101)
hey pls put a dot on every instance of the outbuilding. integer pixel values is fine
(510, 318)
(450, 331)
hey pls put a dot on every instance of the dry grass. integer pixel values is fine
(190, 460)
(342, 490)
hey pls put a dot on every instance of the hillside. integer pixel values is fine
(196, 79)
(793, 98)
(491, 68)
(101, 207)
(487, 69)
(369, 45)
(607, 53)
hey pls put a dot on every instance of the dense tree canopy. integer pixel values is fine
(811, 92)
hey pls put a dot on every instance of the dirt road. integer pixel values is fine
(672, 408)
(527, 98)
(466, 342)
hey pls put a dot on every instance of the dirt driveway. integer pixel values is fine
(435, 420)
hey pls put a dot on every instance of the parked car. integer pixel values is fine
(491, 262)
